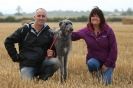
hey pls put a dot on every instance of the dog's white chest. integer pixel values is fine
(65, 49)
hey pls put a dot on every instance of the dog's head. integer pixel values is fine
(66, 26)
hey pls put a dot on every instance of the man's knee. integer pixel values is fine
(48, 68)
(53, 62)
(27, 73)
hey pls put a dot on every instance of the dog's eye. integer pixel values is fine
(60, 23)
(71, 23)
(66, 23)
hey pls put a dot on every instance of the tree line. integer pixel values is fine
(57, 19)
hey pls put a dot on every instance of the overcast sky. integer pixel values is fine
(28, 6)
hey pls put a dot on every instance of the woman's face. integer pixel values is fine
(95, 20)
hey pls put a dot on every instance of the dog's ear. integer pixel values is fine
(60, 23)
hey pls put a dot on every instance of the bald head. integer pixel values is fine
(40, 16)
(41, 10)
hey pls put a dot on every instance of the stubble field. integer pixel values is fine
(78, 75)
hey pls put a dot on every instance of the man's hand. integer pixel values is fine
(50, 53)
(104, 68)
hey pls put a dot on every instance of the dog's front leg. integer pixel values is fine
(65, 67)
(61, 69)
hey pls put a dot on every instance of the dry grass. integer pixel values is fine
(127, 21)
(78, 76)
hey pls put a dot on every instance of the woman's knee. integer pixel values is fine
(93, 64)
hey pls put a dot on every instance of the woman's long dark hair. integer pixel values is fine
(97, 11)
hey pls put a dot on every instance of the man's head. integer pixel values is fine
(40, 16)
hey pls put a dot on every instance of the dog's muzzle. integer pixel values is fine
(71, 29)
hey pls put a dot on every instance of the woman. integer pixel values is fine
(101, 45)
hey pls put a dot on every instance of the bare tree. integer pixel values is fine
(19, 10)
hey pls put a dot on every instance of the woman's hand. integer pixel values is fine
(104, 68)
(50, 53)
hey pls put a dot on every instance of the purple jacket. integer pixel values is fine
(103, 47)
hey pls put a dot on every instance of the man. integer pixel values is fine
(34, 41)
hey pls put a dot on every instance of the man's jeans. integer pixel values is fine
(94, 66)
(44, 72)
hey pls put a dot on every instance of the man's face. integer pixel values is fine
(40, 17)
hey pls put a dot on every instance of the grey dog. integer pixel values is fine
(63, 45)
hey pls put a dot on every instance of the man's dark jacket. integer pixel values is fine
(32, 47)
